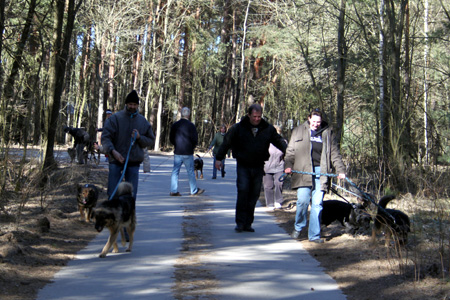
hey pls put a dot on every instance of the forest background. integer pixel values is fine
(380, 70)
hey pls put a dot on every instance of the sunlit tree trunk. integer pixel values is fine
(241, 107)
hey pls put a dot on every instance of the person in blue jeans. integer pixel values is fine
(312, 148)
(184, 137)
(118, 133)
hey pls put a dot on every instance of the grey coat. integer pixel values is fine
(298, 156)
(116, 135)
(275, 163)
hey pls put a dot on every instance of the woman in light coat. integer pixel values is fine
(312, 148)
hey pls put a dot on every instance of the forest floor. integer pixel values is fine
(41, 230)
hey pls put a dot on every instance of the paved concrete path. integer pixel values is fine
(186, 248)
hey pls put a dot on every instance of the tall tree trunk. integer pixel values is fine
(57, 69)
(242, 91)
(185, 79)
(161, 76)
(2, 28)
(384, 124)
(341, 68)
(425, 84)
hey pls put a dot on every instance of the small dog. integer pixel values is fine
(91, 153)
(115, 214)
(392, 221)
(72, 154)
(198, 166)
(87, 200)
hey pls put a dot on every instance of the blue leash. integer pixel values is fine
(365, 195)
(133, 139)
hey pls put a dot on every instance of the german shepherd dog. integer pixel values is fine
(87, 200)
(394, 223)
(198, 166)
(115, 214)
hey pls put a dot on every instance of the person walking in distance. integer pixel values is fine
(249, 141)
(312, 148)
(184, 137)
(81, 139)
(273, 169)
(215, 145)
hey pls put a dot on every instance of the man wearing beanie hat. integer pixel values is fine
(132, 97)
(119, 131)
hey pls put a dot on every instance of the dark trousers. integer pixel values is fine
(248, 182)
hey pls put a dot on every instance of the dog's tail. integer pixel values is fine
(198, 156)
(124, 188)
(385, 200)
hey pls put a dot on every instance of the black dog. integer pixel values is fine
(335, 210)
(198, 166)
(393, 222)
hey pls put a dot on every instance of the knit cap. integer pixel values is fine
(132, 97)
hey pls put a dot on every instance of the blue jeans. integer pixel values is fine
(248, 182)
(215, 170)
(188, 161)
(131, 175)
(304, 196)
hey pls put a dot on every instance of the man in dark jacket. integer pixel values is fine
(184, 136)
(120, 131)
(81, 139)
(249, 140)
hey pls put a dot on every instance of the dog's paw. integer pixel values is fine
(128, 250)
(102, 255)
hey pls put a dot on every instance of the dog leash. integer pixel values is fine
(365, 195)
(133, 139)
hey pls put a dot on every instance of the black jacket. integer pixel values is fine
(250, 150)
(184, 136)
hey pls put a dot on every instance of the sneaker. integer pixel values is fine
(277, 205)
(239, 228)
(295, 234)
(213, 178)
(199, 192)
(177, 194)
(317, 241)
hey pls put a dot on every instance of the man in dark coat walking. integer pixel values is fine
(249, 140)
